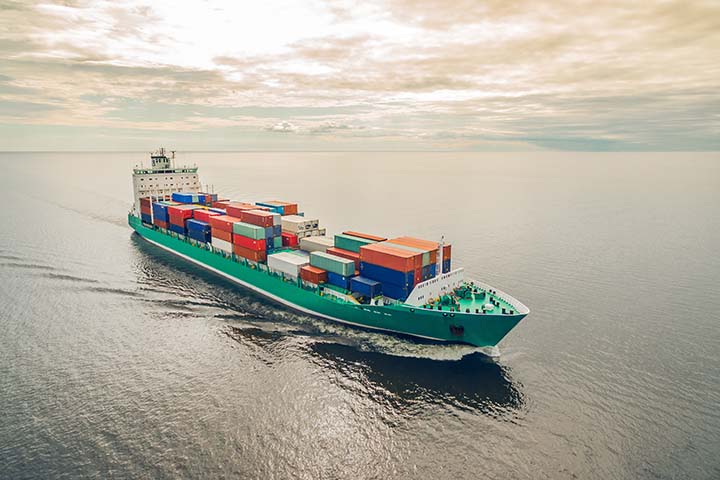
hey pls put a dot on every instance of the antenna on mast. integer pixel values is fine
(439, 265)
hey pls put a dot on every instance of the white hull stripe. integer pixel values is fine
(280, 299)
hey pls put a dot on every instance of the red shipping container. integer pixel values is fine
(289, 239)
(236, 208)
(365, 236)
(221, 203)
(181, 210)
(253, 255)
(203, 215)
(222, 222)
(345, 254)
(418, 275)
(221, 234)
(388, 257)
(256, 217)
(176, 219)
(447, 252)
(145, 209)
(160, 223)
(248, 242)
(313, 274)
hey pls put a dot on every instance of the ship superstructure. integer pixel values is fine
(404, 285)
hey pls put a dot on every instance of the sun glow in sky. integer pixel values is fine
(376, 75)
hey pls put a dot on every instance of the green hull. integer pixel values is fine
(482, 330)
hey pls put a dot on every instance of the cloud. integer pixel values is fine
(414, 73)
(283, 127)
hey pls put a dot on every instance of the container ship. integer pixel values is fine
(402, 285)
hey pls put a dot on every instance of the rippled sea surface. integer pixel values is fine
(118, 360)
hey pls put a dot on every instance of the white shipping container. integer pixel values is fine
(296, 224)
(287, 263)
(316, 244)
(221, 244)
(277, 219)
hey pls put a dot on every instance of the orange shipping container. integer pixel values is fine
(388, 257)
(222, 222)
(236, 208)
(345, 254)
(254, 255)
(366, 236)
(222, 235)
(313, 274)
(259, 218)
(447, 252)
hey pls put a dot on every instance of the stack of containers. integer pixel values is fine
(198, 230)
(249, 241)
(339, 270)
(296, 224)
(186, 198)
(339, 252)
(145, 210)
(393, 267)
(286, 263)
(447, 256)
(207, 199)
(177, 214)
(289, 239)
(160, 213)
(429, 258)
(268, 220)
(221, 232)
(351, 243)
(316, 244)
(366, 236)
(283, 208)
(313, 274)
(221, 203)
(235, 208)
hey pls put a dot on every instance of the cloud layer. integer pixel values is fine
(396, 74)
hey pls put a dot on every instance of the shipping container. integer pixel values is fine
(283, 208)
(223, 222)
(207, 198)
(250, 243)
(387, 275)
(289, 239)
(446, 265)
(221, 203)
(316, 244)
(253, 255)
(249, 230)
(235, 208)
(257, 217)
(277, 242)
(160, 223)
(389, 257)
(423, 256)
(221, 244)
(185, 211)
(203, 215)
(269, 232)
(331, 263)
(160, 211)
(366, 236)
(197, 225)
(342, 281)
(182, 197)
(395, 291)
(417, 277)
(348, 242)
(146, 217)
(176, 219)
(296, 223)
(277, 230)
(365, 286)
(355, 257)
(199, 235)
(447, 251)
(177, 229)
(286, 263)
(313, 274)
(222, 235)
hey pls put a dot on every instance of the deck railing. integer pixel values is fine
(505, 297)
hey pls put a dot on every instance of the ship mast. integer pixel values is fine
(440, 256)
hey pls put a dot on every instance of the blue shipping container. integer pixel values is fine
(200, 236)
(177, 229)
(338, 280)
(184, 197)
(277, 230)
(365, 286)
(197, 225)
(218, 210)
(273, 208)
(160, 212)
(396, 292)
(146, 218)
(269, 232)
(386, 275)
(446, 265)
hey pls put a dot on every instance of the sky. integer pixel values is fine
(458, 75)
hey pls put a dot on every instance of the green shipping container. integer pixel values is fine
(277, 242)
(248, 230)
(348, 242)
(331, 263)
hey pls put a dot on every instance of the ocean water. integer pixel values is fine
(119, 361)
